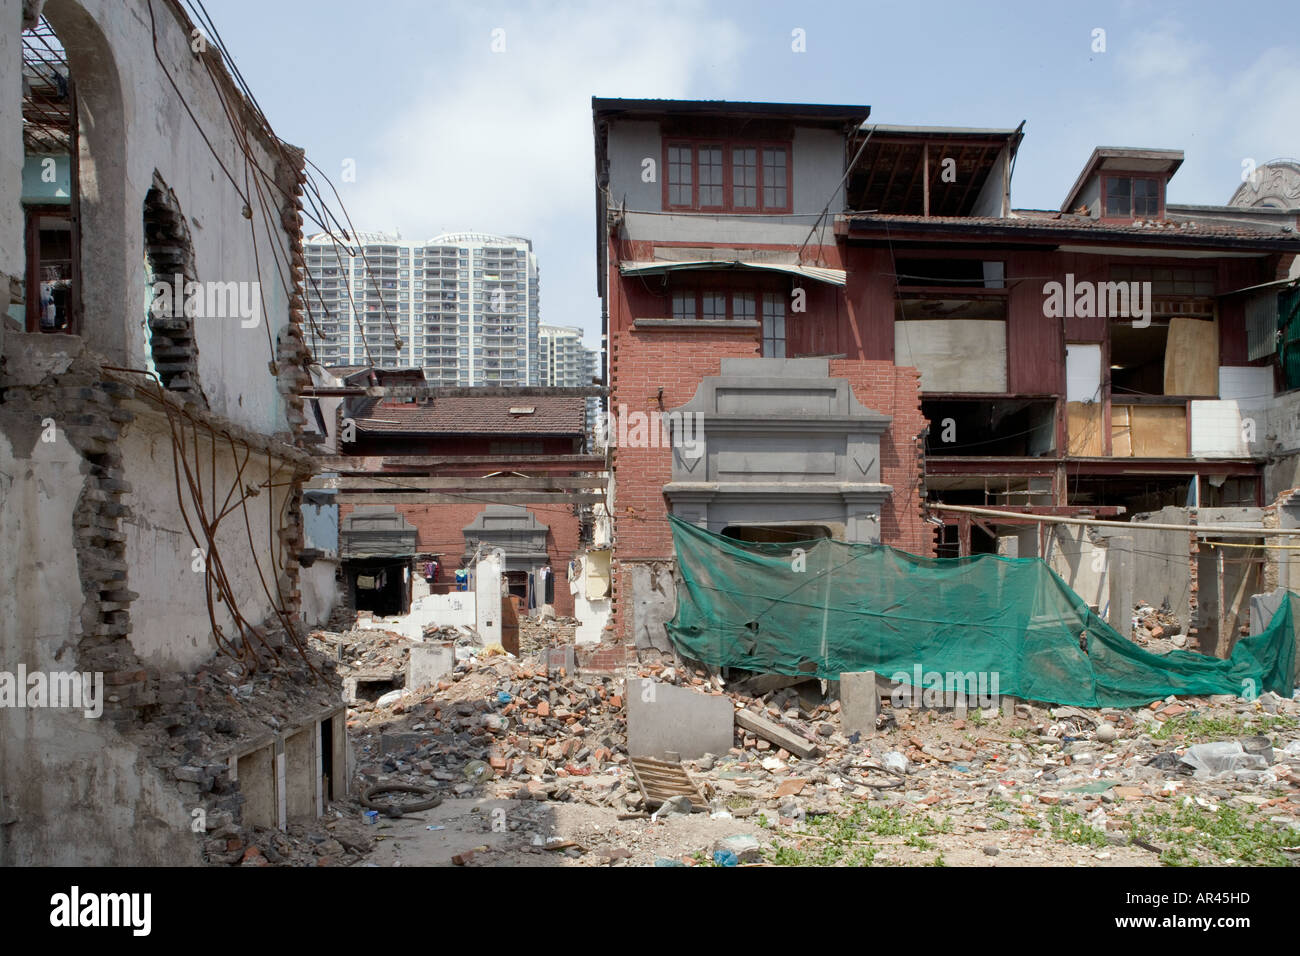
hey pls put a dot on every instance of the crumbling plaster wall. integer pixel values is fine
(170, 626)
(1079, 557)
(88, 507)
(75, 791)
(139, 127)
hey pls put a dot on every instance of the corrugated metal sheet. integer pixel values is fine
(1261, 325)
(816, 273)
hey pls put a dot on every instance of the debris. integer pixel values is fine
(745, 848)
(894, 762)
(775, 733)
(673, 806)
(1221, 757)
(662, 782)
(427, 799)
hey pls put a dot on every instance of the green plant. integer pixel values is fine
(1068, 826)
(1201, 728)
(1196, 836)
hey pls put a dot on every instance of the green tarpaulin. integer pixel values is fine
(831, 607)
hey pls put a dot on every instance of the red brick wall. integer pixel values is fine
(440, 530)
(642, 363)
(894, 391)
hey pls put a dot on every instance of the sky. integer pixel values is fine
(446, 133)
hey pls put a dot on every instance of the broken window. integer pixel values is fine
(1021, 428)
(169, 271)
(50, 186)
(958, 342)
(961, 273)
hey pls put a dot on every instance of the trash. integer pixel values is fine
(435, 827)
(391, 698)
(503, 697)
(665, 861)
(745, 848)
(1221, 757)
(673, 806)
(895, 761)
(478, 771)
(1107, 732)
(725, 858)
(371, 817)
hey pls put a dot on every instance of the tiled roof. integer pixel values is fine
(475, 416)
(1031, 220)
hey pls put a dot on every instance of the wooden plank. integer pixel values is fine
(487, 498)
(776, 734)
(452, 391)
(1084, 429)
(1192, 357)
(387, 462)
(1121, 444)
(1158, 431)
(419, 483)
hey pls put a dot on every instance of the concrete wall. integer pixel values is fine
(487, 597)
(67, 779)
(457, 609)
(319, 589)
(1080, 559)
(98, 557)
(171, 629)
(136, 127)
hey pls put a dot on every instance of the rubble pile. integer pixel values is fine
(539, 633)
(1004, 779)
(366, 650)
(199, 721)
(542, 732)
(1157, 629)
(506, 728)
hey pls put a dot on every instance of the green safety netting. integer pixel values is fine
(860, 607)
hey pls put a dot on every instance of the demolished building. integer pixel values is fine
(152, 452)
(874, 345)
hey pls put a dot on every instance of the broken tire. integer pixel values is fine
(398, 809)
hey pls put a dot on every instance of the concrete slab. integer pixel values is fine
(1263, 607)
(662, 718)
(859, 701)
(777, 734)
(429, 662)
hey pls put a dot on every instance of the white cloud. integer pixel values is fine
(1185, 94)
(502, 142)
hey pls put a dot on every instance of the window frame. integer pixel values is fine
(728, 145)
(778, 342)
(699, 292)
(1109, 175)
